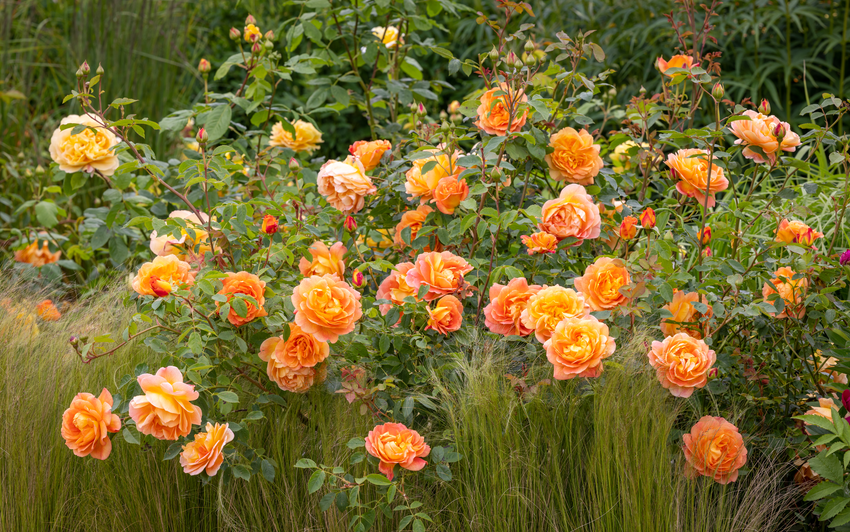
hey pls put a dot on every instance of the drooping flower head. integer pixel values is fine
(36, 256)
(446, 316)
(691, 168)
(767, 133)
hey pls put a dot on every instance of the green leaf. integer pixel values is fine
(821, 490)
(832, 507)
(228, 397)
(819, 421)
(378, 480)
(242, 471)
(129, 437)
(355, 443)
(268, 470)
(46, 212)
(418, 526)
(340, 95)
(829, 467)
(172, 451)
(326, 501)
(317, 479)
(217, 121)
(254, 415)
(305, 463)
(841, 519)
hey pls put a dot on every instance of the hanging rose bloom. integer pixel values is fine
(269, 225)
(159, 277)
(422, 184)
(47, 311)
(792, 291)
(687, 319)
(499, 114)
(450, 191)
(578, 346)
(413, 220)
(86, 425)
(36, 256)
(572, 214)
(326, 307)
(306, 139)
(691, 168)
(389, 36)
(88, 150)
(601, 284)
(325, 260)
(441, 272)
(677, 61)
(164, 410)
(204, 454)
(395, 288)
(187, 246)
(393, 443)
(446, 316)
(796, 232)
(370, 152)
(768, 133)
(682, 363)
(549, 306)
(249, 285)
(576, 158)
(540, 242)
(714, 448)
(507, 302)
(345, 185)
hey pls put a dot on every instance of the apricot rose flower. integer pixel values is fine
(714, 448)
(450, 191)
(441, 272)
(86, 425)
(393, 443)
(690, 167)
(796, 232)
(540, 242)
(204, 454)
(760, 131)
(165, 409)
(503, 315)
(792, 291)
(326, 307)
(162, 275)
(601, 284)
(88, 150)
(370, 152)
(395, 288)
(412, 219)
(324, 260)
(446, 316)
(499, 114)
(677, 61)
(549, 306)
(578, 346)
(307, 138)
(685, 316)
(682, 363)
(187, 245)
(299, 350)
(36, 256)
(421, 183)
(576, 158)
(345, 185)
(571, 214)
(250, 285)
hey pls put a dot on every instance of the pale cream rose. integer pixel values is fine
(86, 151)
(185, 246)
(345, 184)
(307, 138)
(389, 35)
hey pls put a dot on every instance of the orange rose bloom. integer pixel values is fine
(576, 158)
(269, 225)
(324, 260)
(507, 302)
(601, 284)
(393, 443)
(299, 350)
(647, 218)
(441, 272)
(691, 168)
(345, 185)
(185, 246)
(499, 114)
(298, 380)
(682, 363)
(549, 306)
(573, 213)
(204, 454)
(370, 152)
(413, 220)
(796, 232)
(250, 285)
(395, 288)
(704, 235)
(761, 131)
(47, 311)
(540, 242)
(793, 292)
(86, 425)
(35, 256)
(164, 410)
(714, 448)
(628, 228)
(450, 191)
(307, 138)
(421, 184)
(326, 307)
(677, 61)
(447, 316)
(685, 318)
(159, 277)
(578, 346)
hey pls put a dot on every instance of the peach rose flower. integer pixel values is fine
(796, 232)
(761, 131)
(691, 168)
(86, 151)
(446, 316)
(393, 443)
(576, 158)
(326, 307)
(682, 363)
(540, 242)
(369, 153)
(628, 228)
(204, 454)
(389, 35)
(685, 316)
(677, 61)
(299, 350)
(499, 114)
(86, 425)
(36, 256)
(714, 448)
(422, 184)
(601, 284)
(159, 277)
(578, 346)
(250, 285)
(307, 138)
(324, 260)
(413, 220)
(792, 291)
(165, 409)
(549, 306)
(345, 185)
(395, 288)
(503, 315)
(47, 311)
(186, 246)
(442, 272)
(573, 213)
(450, 191)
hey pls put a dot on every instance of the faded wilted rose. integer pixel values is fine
(36, 256)
(47, 311)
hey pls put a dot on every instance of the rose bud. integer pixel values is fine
(704, 236)
(269, 35)
(350, 224)
(779, 131)
(294, 165)
(529, 46)
(712, 373)
(627, 228)
(706, 252)
(202, 137)
(647, 218)
(160, 287)
(717, 91)
(844, 259)
(269, 224)
(494, 54)
(511, 59)
(357, 279)
(256, 48)
(764, 107)
(85, 69)
(74, 340)
(235, 34)
(250, 20)
(99, 70)
(204, 66)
